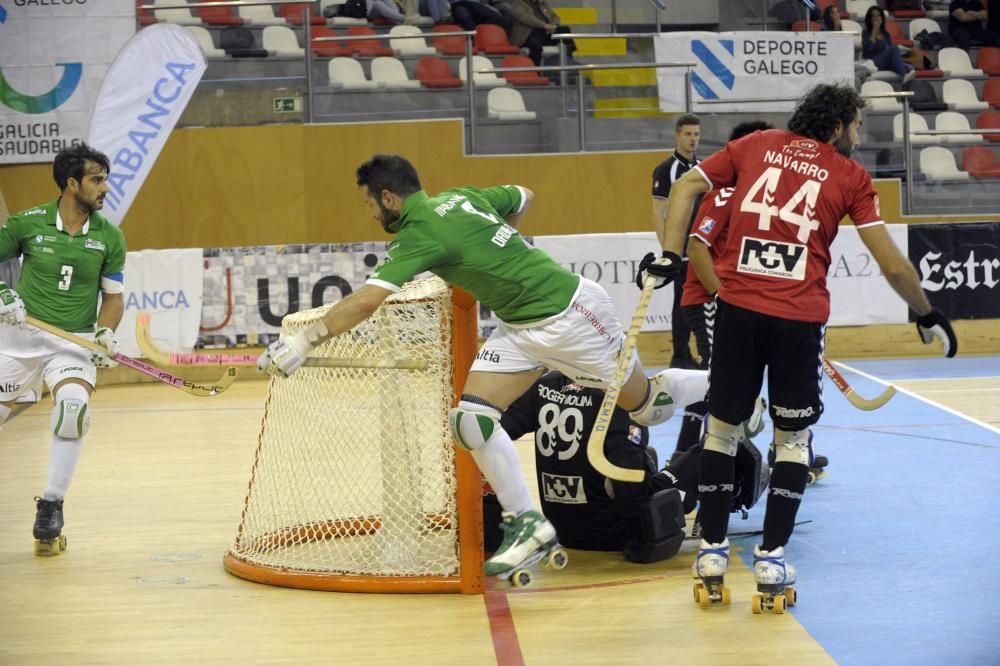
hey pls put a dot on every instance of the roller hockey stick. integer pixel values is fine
(595, 445)
(849, 393)
(201, 390)
(150, 350)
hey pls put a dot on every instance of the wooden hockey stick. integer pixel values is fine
(595, 445)
(192, 388)
(852, 396)
(150, 350)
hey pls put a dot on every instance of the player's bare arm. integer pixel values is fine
(110, 313)
(679, 206)
(896, 268)
(704, 267)
(659, 218)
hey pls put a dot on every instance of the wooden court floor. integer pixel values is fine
(156, 501)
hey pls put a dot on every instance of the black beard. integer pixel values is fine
(387, 216)
(844, 146)
(86, 206)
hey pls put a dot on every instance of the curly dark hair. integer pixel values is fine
(823, 109)
(72, 163)
(389, 172)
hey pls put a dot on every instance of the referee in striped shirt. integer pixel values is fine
(687, 136)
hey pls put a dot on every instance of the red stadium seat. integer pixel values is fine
(434, 72)
(369, 48)
(293, 14)
(492, 40)
(988, 60)
(800, 26)
(144, 15)
(981, 162)
(329, 49)
(908, 13)
(989, 120)
(991, 92)
(448, 45)
(522, 78)
(896, 33)
(217, 15)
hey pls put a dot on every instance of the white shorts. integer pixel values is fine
(582, 342)
(28, 355)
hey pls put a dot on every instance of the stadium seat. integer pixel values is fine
(956, 63)
(341, 20)
(896, 32)
(217, 16)
(433, 72)
(924, 98)
(800, 26)
(956, 122)
(144, 16)
(329, 49)
(938, 164)
(908, 13)
(881, 104)
(293, 14)
(369, 48)
(917, 123)
(918, 25)
(857, 8)
(889, 163)
(204, 38)
(181, 16)
(991, 92)
(981, 162)
(280, 41)
(853, 27)
(989, 120)
(483, 80)
(446, 45)
(507, 104)
(960, 95)
(405, 45)
(346, 74)
(239, 42)
(492, 40)
(260, 15)
(522, 78)
(988, 60)
(391, 74)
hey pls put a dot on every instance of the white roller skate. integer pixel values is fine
(49, 539)
(775, 578)
(528, 539)
(710, 569)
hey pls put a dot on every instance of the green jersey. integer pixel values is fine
(61, 274)
(460, 235)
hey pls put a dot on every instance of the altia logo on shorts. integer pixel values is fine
(773, 258)
(563, 489)
(787, 413)
(488, 355)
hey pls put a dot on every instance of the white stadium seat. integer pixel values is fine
(881, 104)
(952, 120)
(391, 74)
(955, 63)
(409, 46)
(204, 38)
(282, 42)
(485, 80)
(960, 95)
(346, 74)
(917, 123)
(260, 15)
(180, 16)
(507, 104)
(937, 163)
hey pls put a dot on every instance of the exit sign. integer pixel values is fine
(287, 104)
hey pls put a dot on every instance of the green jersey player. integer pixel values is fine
(549, 317)
(70, 255)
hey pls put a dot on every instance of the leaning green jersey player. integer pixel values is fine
(549, 317)
(70, 255)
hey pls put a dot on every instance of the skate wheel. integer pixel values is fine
(791, 596)
(756, 604)
(698, 586)
(521, 578)
(779, 604)
(701, 595)
(727, 598)
(557, 558)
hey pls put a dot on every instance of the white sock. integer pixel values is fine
(499, 463)
(687, 386)
(64, 453)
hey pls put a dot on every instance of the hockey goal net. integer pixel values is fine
(356, 484)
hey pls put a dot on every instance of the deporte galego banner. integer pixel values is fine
(749, 65)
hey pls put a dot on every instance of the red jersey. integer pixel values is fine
(790, 195)
(710, 228)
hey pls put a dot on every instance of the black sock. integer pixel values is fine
(694, 415)
(788, 482)
(682, 474)
(715, 491)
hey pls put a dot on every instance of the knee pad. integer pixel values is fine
(472, 424)
(794, 446)
(722, 437)
(659, 405)
(70, 416)
(661, 521)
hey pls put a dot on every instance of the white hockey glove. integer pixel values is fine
(935, 325)
(284, 356)
(106, 338)
(664, 269)
(11, 306)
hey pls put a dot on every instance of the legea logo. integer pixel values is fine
(45, 102)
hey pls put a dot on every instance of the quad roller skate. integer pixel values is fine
(817, 470)
(774, 581)
(529, 538)
(710, 570)
(49, 539)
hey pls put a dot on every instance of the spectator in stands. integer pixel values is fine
(388, 10)
(470, 13)
(438, 10)
(967, 22)
(877, 46)
(831, 19)
(534, 22)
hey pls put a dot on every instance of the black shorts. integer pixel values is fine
(745, 342)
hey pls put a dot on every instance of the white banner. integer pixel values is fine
(53, 56)
(167, 283)
(858, 293)
(142, 97)
(750, 65)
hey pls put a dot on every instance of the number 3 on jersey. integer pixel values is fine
(765, 208)
(67, 277)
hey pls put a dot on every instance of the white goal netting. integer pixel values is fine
(354, 473)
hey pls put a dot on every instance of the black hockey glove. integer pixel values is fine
(934, 325)
(664, 269)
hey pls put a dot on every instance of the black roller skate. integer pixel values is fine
(49, 539)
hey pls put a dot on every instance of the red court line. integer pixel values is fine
(505, 644)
